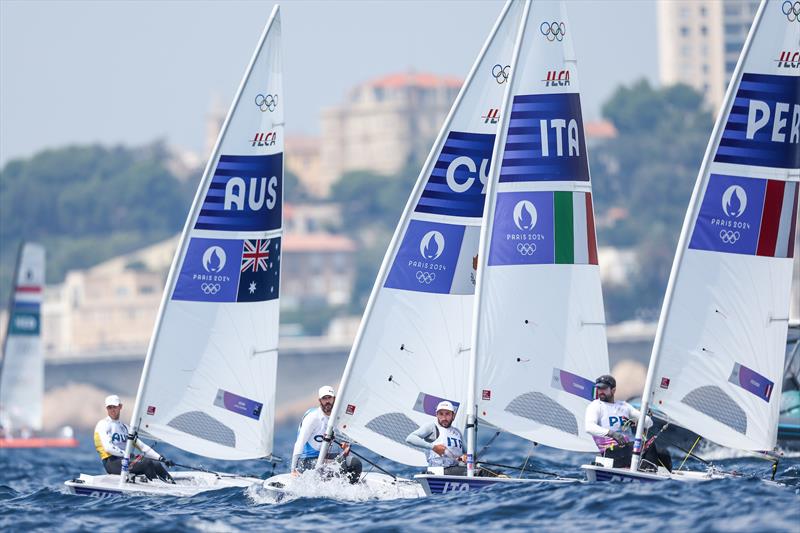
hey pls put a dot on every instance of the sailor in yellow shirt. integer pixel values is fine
(110, 438)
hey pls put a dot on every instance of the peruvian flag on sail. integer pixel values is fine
(778, 222)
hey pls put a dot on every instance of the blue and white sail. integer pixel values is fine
(22, 366)
(412, 347)
(539, 323)
(208, 385)
(717, 362)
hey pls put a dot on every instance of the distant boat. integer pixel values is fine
(717, 364)
(22, 366)
(208, 382)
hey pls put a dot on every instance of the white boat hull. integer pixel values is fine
(371, 486)
(442, 484)
(186, 484)
(596, 473)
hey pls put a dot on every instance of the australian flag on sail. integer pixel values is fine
(245, 194)
(763, 127)
(260, 270)
(457, 182)
(545, 140)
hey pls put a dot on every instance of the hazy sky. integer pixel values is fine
(132, 72)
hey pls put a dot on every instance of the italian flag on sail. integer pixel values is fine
(573, 217)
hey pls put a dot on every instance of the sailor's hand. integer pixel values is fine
(439, 449)
(617, 436)
(166, 461)
(295, 473)
(463, 458)
(345, 448)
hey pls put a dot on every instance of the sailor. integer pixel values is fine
(612, 425)
(310, 435)
(443, 443)
(110, 438)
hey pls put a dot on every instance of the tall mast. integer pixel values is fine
(483, 247)
(691, 215)
(184, 241)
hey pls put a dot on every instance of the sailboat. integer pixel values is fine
(22, 366)
(718, 358)
(411, 349)
(538, 334)
(208, 382)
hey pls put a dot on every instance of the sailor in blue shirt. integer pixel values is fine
(310, 437)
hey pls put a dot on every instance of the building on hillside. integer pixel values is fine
(303, 160)
(323, 270)
(385, 124)
(311, 218)
(699, 42)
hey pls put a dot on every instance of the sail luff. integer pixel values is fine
(483, 245)
(683, 240)
(405, 219)
(185, 234)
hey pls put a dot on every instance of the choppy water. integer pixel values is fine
(32, 498)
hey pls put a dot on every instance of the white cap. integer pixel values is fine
(445, 405)
(327, 390)
(113, 400)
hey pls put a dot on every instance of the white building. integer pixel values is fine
(699, 42)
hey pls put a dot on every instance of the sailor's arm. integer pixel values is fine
(148, 452)
(303, 434)
(418, 438)
(591, 418)
(634, 415)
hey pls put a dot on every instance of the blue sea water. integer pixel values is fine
(32, 497)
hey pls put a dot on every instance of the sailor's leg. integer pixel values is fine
(620, 454)
(352, 468)
(113, 465)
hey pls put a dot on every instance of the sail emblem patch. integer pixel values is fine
(664, 383)
(351, 409)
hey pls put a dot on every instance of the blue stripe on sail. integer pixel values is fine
(464, 155)
(762, 91)
(243, 174)
(28, 307)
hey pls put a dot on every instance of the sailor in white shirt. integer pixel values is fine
(443, 443)
(612, 425)
(310, 437)
(110, 439)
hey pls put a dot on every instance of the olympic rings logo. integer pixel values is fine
(267, 103)
(500, 73)
(554, 31)
(526, 248)
(791, 10)
(210, 288)
(425, 277)
(728, 236)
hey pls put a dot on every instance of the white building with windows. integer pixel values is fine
(699, 42)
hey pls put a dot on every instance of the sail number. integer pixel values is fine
(454, 486)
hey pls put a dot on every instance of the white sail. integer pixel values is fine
(718, 358)
(412, 348)
(540, 322)
(22, 367)
(208, 385)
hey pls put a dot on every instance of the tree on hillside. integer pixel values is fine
(648, 170)
(87, 204)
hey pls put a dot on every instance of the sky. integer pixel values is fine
(79, 72)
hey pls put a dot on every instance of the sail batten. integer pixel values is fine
(717, 361)
(208, 385)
